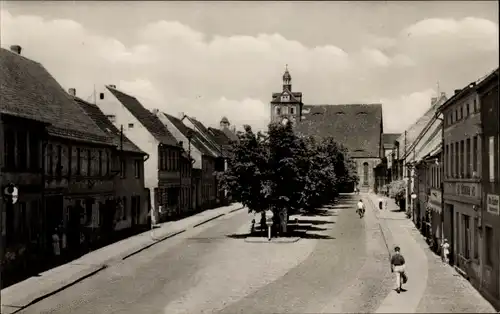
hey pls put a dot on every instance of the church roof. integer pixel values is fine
(294, 97)
(358, 127)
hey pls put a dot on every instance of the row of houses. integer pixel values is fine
(450, 162)
(93, 171)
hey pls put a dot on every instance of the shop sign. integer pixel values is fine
(467, 189)
(435, 197)
(492, 204)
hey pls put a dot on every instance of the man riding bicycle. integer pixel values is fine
(361, 209)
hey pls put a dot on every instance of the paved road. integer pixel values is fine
(342, 266)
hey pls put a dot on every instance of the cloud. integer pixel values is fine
(173, 67)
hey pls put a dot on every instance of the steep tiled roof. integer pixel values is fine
(196, 140)
(230, 134)
(294, 97)
(145, 117)
(210, 142)
(28, 90)
(221, 139)
(390, 138)
(357, 127)
(105, 125)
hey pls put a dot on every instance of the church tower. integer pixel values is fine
(286, 105)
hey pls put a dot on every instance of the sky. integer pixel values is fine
(214, 59)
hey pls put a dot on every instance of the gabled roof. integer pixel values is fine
(27, 90)
(219, 136)
(293, 97)
(357, 127)
(390, 138)
(432, 143)
(105, 125)
(145, 117)
(205, 135)
(230, 134)
(413, 134)
(196, 139)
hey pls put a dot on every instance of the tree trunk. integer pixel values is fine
(283, 220)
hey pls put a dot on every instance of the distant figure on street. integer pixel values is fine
(380, 203)
(398, 266)
(445, 249)
(360, 208)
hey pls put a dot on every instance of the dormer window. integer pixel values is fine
(340, 113)
(285, 98)
(130, 125)
(317, 113)
(361, 113)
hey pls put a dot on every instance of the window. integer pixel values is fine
(130, 125)
(161, 160)
(59, 161)
(34, 152)
(79, 161)
(278, 110)
(101, 96)
(447, 158)
(50, 159)
(466, 237)
(474, 153)
(491, 154)
(462, 160)
(123, 168)
(469, 158)
(137, 168)
(124, 208)
(468, 110)
(365, 173)
(292, 110)
(475, 106)
(10, 149)
(89, 162)
(461, 112)
(489, 249)
(476, 238)
(108, 163)
(22, 150)
(100, 163)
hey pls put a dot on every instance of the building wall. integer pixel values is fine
(490, 116)
(365, 169)
(462, 189)
(138, 134)
(129, 184)
(285, 112)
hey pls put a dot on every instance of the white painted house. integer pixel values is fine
(144, 129)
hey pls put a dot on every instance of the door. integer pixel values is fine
(452, 234)
(133, 214)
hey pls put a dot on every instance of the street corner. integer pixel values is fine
(272, 240)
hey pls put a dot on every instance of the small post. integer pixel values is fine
(269, 232)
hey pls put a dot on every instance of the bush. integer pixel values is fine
(397, 190)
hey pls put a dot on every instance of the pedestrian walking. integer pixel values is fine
(445, 250)
(360, 209)
(56, 246)
(380, 203)
(398, 266)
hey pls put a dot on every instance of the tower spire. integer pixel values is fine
(287, 80)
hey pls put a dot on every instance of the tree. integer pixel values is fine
(286, 173)
(246, 175)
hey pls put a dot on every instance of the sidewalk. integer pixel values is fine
(54, 280)
(432, 285)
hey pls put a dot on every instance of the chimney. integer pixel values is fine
(181, 115)
(112, 86)
(16, 49)
(457, 91)
(155, 111)
(443, 94)
(72, 92)
(433, 100)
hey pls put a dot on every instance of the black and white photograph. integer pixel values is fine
(184, 157)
